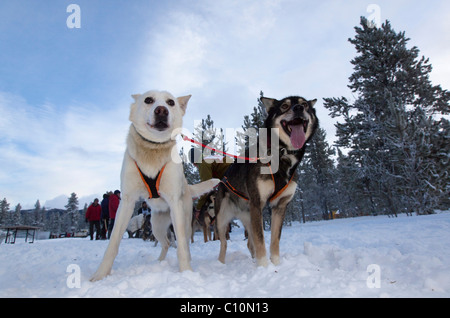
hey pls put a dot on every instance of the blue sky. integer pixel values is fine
(65, 93)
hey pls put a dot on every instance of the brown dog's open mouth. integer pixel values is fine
(296, 130)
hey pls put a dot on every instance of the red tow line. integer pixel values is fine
(186, 138)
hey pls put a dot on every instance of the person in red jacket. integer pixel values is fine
(93, 214)
(114, 201)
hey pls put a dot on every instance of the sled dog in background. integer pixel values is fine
(245, 190)
(205, 218)
(208, 216)
(135, 225)
(148, 171)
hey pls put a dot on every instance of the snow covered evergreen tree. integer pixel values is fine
(4, 212)
(191, 172)
(72, 216)
(317, 178)
(37, 214)
(17, 217)
(387, 129)
(210, 135)
(253, 121)
(54, 224)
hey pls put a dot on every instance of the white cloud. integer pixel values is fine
(46, 151)
(207, 43)
(225, 52)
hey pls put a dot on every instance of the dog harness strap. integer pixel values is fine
(227, 183)
(152, 185)
(276, 193)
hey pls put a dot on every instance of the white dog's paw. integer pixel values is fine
(96, 277)
(203, 187)
(262, 262)
(215, 182)
(99, 275)
(275, 260)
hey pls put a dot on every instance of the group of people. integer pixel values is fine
(102, 215)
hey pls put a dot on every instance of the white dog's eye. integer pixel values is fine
(149, 100)
(170, 102)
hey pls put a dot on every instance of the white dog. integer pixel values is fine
(148, 171)
(135, 224)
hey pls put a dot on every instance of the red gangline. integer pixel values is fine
(219, 151)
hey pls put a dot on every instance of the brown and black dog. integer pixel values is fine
(205, 219)
(247, 187)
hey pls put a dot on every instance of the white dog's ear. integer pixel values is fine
(183, 101)
(134, 105)
(268, 102)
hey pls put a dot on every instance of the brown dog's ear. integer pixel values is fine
(268, 102)
(183, 101)
(313, 102)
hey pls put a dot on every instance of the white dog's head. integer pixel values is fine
(156, 114)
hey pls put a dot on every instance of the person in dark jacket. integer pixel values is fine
(93, 215)
(105, 215)
(114, 201)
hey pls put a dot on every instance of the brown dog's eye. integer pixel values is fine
(170, 102)
(305, 105)
(285, 107)
(149, 100)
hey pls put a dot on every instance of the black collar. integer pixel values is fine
(285, 151)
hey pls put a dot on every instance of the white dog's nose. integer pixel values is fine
(161, 111)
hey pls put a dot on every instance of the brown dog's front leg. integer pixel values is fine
(258, 234)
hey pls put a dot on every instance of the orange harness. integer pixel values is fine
(277, 191)
(151, 184)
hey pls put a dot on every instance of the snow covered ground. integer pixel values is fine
(359, 257)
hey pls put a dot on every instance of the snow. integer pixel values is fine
(404, 257)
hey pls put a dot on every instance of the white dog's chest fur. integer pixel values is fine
(158, 205)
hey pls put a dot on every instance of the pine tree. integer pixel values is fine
(191, 173)
(251, 126)
(55, 224)
(395, 105)
(210, 136)
(37, 214)
(17, 217)
(317, 177)
(44, 219)
(72, 213)
(4, 212)
(353, 198)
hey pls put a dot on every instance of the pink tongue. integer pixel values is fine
(298, 137)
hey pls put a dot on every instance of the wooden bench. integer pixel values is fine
(11, 232)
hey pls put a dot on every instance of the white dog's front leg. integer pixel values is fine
(181, 219)
(123, 216)
(160, 223)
